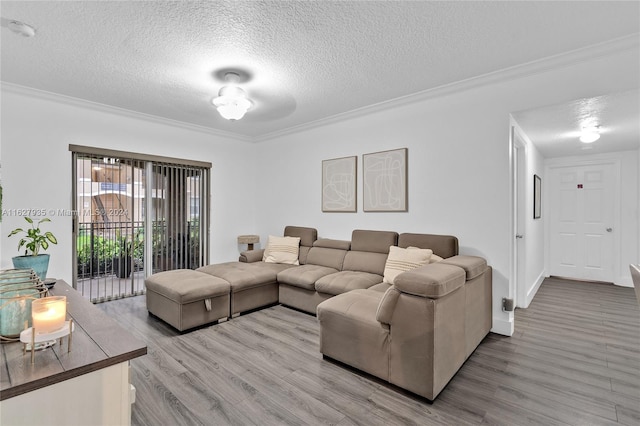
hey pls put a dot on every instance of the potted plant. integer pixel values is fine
(126, 247)
(33, 241)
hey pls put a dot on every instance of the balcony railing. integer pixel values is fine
(111, 256)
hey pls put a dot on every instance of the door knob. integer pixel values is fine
(609, 229)
(519, 236)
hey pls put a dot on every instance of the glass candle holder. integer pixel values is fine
(48, 314)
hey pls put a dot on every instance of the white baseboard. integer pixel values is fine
(504, 327)
(534, 289)
(624, 281)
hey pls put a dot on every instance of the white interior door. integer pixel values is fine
(582, 208)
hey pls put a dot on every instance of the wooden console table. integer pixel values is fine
(89, 385)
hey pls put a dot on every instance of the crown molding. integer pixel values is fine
(83, 103)
(630, 42)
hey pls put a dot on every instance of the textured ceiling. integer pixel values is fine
(555, 129)
(300, 61)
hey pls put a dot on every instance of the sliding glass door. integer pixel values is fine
(135, 217)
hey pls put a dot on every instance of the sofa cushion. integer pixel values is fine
(307, 238)
(185, 285)
(302, 256)
(433, 280)
(350, 333)
(472, 265)
(282, 250)
(442, 245)
(344, 281)
(404, 259)
(307, 235)
(373, 241)
(242, 276)
(332, 244)
(304, 276)
(250, 256)
(382, 287)
(387, 305)
(362, 261)
(329, 253)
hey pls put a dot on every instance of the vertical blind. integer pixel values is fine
(180, 218)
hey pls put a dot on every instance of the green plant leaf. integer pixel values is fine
(44, 219)
(44, 244)
(28, 219)
(15, 231)
(51, 237)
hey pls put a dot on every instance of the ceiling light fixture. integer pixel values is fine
(20, 28)
(590, 134)
(232, 102)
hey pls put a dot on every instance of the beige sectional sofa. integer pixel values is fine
(419, 331)
(414, 333)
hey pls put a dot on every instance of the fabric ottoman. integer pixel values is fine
(185, 298)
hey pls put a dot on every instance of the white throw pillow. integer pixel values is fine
(401, 260)
(434, 257)
(282, 250)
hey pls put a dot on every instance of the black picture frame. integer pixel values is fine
(537, 197)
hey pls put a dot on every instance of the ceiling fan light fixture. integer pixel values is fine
(232, 102)
(590, 134)
(22, 29)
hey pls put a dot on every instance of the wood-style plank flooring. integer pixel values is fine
(574, 359)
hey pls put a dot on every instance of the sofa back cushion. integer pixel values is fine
(361, 261)
(373, 241)
(307, 237)
(369, 251)
(442, 245)
(329, 253)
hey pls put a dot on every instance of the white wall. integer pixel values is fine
(458, 163)
(535, 228)
(36, 167)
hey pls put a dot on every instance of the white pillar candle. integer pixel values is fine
(48, 314)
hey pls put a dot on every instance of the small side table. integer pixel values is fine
(249, 240)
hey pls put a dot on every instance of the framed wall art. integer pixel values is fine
(339, 184)
(385, 181)
(537, 197)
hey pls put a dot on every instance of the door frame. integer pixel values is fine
(598, 160)
(519, 206)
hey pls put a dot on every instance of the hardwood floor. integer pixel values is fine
(574, 359)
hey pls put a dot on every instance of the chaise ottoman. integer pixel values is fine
(185, 298)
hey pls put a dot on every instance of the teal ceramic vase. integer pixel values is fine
(39, 263)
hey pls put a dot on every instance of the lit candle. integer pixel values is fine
(48, 314)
